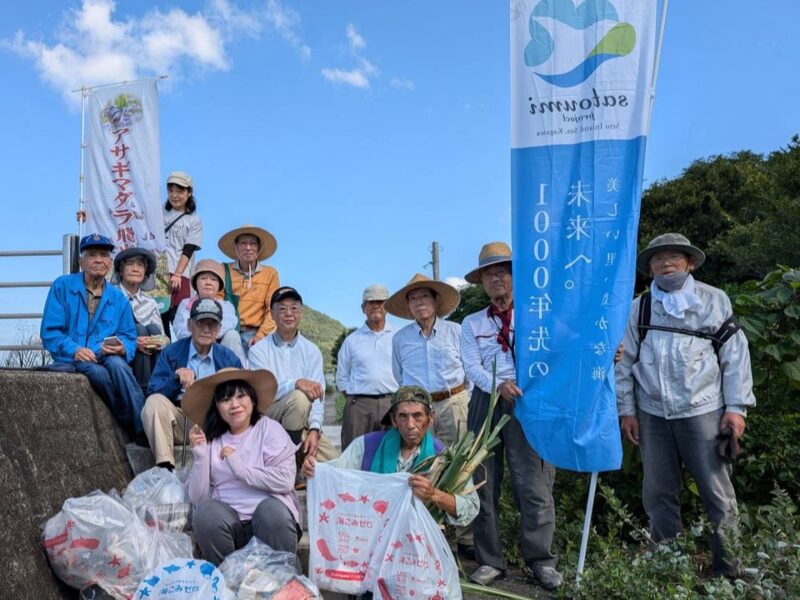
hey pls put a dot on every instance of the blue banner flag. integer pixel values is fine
(581, 87)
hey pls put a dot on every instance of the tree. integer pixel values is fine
(743, 210)
(473, 299)
(338, 344)
(28, 358)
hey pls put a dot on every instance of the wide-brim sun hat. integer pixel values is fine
(209, 265)
(493, 253)
(149, 258)
(664, 243)
(268, 246)
(199, 396)
(447, 297)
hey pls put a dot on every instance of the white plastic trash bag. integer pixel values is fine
(256, 571)
(100, 539)
(417, 561)
(185, 579)
(160, 498)
(351, 515)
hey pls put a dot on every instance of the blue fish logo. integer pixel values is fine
(619, 41)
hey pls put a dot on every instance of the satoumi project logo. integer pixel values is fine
(619, 41)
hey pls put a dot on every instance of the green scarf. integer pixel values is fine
(385, 459)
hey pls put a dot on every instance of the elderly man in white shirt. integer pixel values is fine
(364, 369)
(427, 353)
(297, 364)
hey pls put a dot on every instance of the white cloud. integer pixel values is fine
(457, 282)
(356, 41)
(91, 47)
(357, 77)
(285, 21)
(402, 84)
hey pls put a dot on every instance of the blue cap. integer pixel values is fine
(95, 240)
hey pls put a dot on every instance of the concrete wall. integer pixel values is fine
(57, 440)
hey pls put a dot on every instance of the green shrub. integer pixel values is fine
(624, 563)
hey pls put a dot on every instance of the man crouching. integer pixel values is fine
(401, 448)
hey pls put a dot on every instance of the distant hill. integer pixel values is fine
(323, 331)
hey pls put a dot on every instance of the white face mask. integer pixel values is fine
(671, 282)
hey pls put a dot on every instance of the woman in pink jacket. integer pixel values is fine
(242, 479)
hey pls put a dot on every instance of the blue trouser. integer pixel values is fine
(113, 380)
(665, 446)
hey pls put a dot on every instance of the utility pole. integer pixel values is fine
(435, 260)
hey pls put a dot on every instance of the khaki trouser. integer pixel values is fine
(163, 424)
(450, 424)
(292, 411)
(450, 418)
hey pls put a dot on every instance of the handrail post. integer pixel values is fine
(70, 253)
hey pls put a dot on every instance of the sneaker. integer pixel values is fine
(466, 551)
(547, 577)
(485, 575)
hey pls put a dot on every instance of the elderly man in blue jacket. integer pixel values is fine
(88, 327)
(178, 366)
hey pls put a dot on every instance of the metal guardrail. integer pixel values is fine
(69, 264)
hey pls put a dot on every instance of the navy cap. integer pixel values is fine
(284, 293)
(206, 308)
(95, 240)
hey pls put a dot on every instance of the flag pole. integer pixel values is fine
(593, 482)
(81, 202)
(662, 21)
(587, 522)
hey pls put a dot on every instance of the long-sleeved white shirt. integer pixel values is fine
(364, 362)
(290, 361)
(479, 348)
(433, 362)
(180, 321)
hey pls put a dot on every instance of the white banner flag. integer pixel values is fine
(123, 175)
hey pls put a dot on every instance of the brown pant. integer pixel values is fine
(363, 414)
(163, 424)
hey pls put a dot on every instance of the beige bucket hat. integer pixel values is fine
(227, 243)
(666, 242)
(491, 254)
(209, 265)
(447, 297)
(199, 396)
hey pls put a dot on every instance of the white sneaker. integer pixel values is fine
(548, 577)
(484, 575)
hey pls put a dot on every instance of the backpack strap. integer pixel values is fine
(643, 322)
(725, 332)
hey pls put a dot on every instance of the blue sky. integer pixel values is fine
(356, 132)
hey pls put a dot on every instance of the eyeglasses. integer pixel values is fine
(672, 258)
(498, 272)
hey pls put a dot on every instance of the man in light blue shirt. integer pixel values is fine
(427, 353)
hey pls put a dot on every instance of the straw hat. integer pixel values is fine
(491, 254)
(199, 396)
(667, 242)
(447, 297)
(208, 265)
(227, 243)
